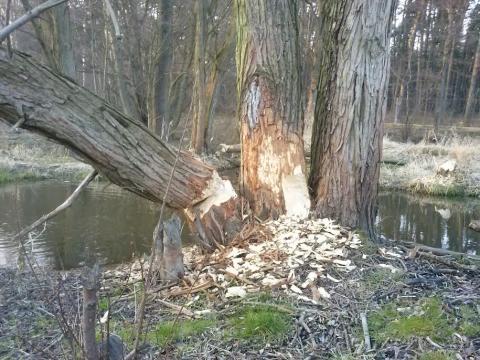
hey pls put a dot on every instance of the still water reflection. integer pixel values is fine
(437, 222)
(104, 222)
(113, 226)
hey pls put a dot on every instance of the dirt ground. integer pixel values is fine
(284, 290)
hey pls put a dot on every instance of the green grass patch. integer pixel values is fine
(7, 176)
(165, 333)
(425, 319)
(260, 323)
(437, 355)
(437, 186)
(469, 321)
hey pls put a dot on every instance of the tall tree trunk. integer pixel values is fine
(440, 103)
(271, 107)
(473, 84)
(126, 100)
(64, 40)
(119, 147)
(200, 115)
(350, 110)
(159, 117)
(403, 96)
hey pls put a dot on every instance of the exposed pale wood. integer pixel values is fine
(120, 148)
(22, 20)
(271, 101)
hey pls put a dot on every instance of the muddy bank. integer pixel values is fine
(288, 290)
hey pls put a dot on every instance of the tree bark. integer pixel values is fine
(350, 110)
(271, 107)
(31, 14)
(440, 103)
(128, 105)
(89, 314)
(159, 117)
(200, 114)
(64, 40)
(120, 148)
(473, 84)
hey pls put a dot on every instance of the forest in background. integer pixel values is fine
(154, 58)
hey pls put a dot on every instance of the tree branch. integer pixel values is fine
(28, 16)
(66, 204)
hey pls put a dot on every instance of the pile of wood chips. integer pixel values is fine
(293, 255)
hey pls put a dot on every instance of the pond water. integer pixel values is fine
(437, 222)
(104, 222)
(112, 225)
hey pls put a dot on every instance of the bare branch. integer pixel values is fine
(66, 204)
(113, 17)
(28, 16)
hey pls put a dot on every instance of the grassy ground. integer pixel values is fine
(414, 167)
(26, 157)
(416, 306)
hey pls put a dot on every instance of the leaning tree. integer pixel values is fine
(270, 106)
(122, 149)
(350, 109)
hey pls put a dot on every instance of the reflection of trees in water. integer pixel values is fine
(106, 223)
(417, 218)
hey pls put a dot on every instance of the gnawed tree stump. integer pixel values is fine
(117, 146)
(168, 252)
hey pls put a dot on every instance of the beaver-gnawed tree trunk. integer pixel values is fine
(350, 109)
(270, 106)
(120, 148)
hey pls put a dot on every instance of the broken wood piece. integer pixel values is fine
(29, 15)
(225, 148)
(237, 277)
(191, 290)
(168, 253)
(181, 310)
(474, 225)
(366, 334)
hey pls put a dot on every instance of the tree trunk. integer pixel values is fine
(440, 106)
(159, 117)
(350, 110)
(120, 148)
(473, 85)
(89, 315)
(271, 107)
(64, 40)
(126, 100)
(200, 115)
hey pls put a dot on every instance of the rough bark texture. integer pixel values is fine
(271, 105)
(168, 253)
(89, 314)
(158, 119)
(473, 84)
(200, 115)
(120, 148)
(64, 37)
(350, 109)
(128, 104)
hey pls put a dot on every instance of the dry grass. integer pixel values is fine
(413, 167)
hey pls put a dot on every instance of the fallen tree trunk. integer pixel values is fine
(117, 146)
